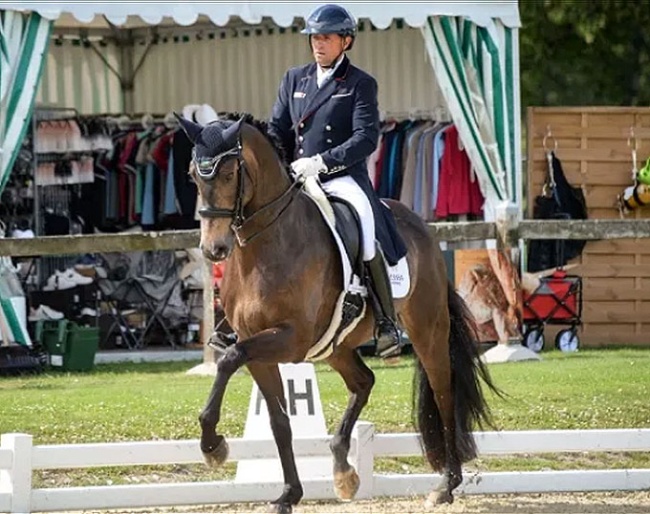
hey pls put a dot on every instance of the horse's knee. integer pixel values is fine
(280, 420)
(231, 361)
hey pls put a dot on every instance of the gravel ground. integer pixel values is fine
(569, 503)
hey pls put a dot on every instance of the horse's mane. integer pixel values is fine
(263, 127)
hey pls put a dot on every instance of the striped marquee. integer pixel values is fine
(473, 47)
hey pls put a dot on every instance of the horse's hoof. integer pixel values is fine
(439, 498)
(346, 484)
(218, 455)
(281, 508)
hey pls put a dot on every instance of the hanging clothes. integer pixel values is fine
(422, 164)
(458, 189)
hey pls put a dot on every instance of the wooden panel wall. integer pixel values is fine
(593, 148)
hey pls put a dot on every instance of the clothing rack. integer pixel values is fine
(439, 113)
(124, 122)
(54, 113)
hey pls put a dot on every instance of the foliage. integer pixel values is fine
(575, 52)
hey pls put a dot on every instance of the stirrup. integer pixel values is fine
(386, 332)
(221, 341)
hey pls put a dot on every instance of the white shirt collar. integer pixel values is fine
(323, 75)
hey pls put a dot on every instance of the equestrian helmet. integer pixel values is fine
(331, 19)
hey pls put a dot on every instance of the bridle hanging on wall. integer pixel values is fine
(550, 180)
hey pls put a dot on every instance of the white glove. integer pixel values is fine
(309, 166)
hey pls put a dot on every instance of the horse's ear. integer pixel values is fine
(193, 130)
(231, 134)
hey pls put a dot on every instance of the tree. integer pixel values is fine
(577, 52)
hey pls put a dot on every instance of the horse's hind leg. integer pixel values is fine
(269, 381)
(435, 400)
(359, 380)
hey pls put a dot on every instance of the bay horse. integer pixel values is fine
(282, 279)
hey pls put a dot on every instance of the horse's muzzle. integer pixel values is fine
(216, 253)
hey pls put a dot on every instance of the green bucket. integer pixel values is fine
(70, 347)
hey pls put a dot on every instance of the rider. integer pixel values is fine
(327, 119)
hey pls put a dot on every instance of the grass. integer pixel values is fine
(135, 402)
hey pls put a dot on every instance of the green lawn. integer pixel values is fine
(589, 389)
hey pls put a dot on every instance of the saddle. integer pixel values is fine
(345, 226)
(348, 226)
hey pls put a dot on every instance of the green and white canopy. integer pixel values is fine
(478, 70)
(473, 47)
(24, 41)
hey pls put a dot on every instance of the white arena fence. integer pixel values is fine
(19, 458)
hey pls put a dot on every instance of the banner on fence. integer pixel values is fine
(490, 286)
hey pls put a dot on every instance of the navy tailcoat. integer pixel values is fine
(339, 121)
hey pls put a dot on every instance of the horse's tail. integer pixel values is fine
(470, 407)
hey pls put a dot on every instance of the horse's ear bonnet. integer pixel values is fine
(193, 130)
(212, 139)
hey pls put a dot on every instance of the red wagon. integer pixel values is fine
(557, 301)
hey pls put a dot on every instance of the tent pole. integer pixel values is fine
(209, 365)
(126, 72)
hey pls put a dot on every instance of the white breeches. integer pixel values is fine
(347, 189)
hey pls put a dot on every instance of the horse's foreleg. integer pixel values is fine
(213, 445)
(261, 353)
(269, 381)
(359, 380)
(270, 346)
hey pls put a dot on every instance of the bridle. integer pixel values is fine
(245, 228)
(237, 213)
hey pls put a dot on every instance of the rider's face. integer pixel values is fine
(327, 47)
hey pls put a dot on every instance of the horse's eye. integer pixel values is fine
(228, 176)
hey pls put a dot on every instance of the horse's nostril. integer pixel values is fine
(215, 253)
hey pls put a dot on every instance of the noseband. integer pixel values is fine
(245, 229)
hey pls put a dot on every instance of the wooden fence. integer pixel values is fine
(510, 231)
(595, 146)
(592, 230)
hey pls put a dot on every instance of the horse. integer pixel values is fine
(282, 279)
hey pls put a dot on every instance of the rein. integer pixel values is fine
(245, 228)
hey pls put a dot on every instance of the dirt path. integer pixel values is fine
(566, 503)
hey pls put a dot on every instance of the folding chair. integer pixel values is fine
(155, 295)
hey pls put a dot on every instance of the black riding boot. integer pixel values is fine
(388, 339)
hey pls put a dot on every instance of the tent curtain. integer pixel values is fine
(475, 67)
(24, 41)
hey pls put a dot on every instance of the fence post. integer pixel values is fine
(363, 457)
(18, 478)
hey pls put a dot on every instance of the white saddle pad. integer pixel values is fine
(399, 274)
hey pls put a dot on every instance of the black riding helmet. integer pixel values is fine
(331, 19)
